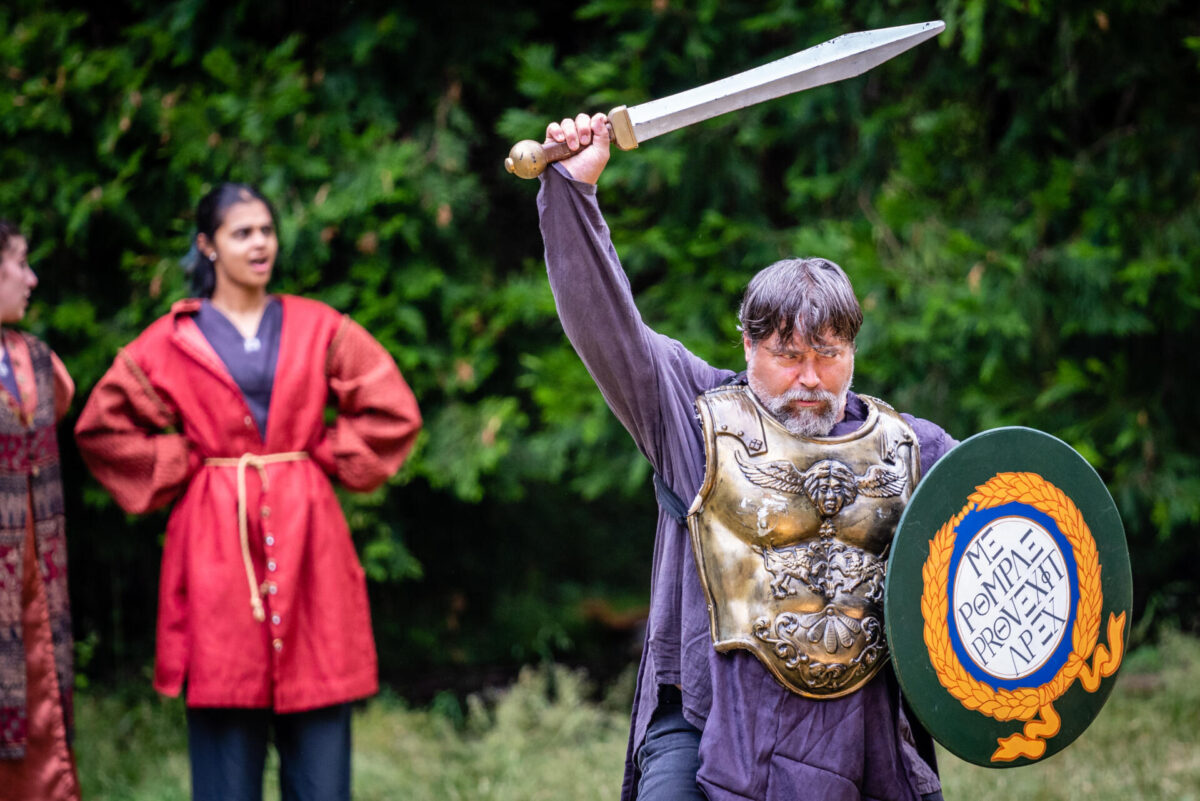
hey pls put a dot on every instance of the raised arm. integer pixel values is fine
(129, 440)
(640, 372)
(377, 416)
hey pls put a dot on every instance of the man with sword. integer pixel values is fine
(764, 673)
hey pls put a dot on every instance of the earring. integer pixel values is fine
(212, 256)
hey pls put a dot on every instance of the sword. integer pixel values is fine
(845, 57)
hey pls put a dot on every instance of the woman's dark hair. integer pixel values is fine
(812, 297)
(7, 232)
(210, 214)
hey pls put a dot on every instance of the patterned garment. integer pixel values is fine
(29, 467)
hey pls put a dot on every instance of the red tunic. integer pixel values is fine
(165, 407)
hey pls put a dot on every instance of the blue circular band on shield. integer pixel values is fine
(1013, 588)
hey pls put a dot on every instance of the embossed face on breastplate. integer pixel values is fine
(831, 486)
(790, 537)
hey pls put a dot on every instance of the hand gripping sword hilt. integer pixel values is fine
(528, 159)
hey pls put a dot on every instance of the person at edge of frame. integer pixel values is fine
(36, 646)
(220, 407)
(711, 725)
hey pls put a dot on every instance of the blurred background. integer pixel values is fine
(1015, 201)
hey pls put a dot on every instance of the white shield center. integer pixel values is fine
(1011, 597)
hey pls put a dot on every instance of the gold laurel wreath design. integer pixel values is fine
(1024, 703)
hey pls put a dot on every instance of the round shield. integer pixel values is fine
(1008, 597)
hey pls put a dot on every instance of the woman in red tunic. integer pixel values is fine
(36, 763)
(220, 406)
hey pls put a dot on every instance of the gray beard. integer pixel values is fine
(802, 422)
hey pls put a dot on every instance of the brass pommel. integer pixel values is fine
(526, 159)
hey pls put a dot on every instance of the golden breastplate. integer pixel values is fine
(791, 536)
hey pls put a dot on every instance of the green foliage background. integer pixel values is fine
(1016, 203)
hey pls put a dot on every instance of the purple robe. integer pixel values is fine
(759, 740)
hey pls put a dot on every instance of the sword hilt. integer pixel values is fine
(529, 159)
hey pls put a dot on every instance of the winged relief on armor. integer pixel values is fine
(830, 485)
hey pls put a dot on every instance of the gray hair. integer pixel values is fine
(809, 297)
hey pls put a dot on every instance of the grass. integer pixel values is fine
(542, 739)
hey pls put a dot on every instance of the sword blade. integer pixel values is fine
(844, 57)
